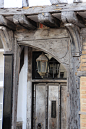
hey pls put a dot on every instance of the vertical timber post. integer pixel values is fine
(29, 88)
(8, 86)
(6, 36)
(15, 82)
(73, 118)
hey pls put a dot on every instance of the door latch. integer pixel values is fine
(39, 126)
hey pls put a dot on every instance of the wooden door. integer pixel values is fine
(53, 107)
(46, 109)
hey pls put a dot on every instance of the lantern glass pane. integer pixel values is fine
(43, 66)
(39, 66)
(54, 68)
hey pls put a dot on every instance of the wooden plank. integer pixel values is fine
(1, 3)
(48, 20)
(58, 81)
(41, 34)
(81, 73)
(24, 21)
(63, 107)
(42, 9)
(40, 106)
(82, 113)
(7, 23)
(53, 102)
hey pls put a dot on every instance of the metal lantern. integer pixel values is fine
(53, 67)
(42, 64)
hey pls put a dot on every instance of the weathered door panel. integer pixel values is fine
(63, 107)
(50, 102)
(53, 107)
(40, 107)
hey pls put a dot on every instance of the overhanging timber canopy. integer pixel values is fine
(51, 16)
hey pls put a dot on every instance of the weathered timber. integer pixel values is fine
(29, 89)
(48, 20)
(58, 1)
(24, 21)
(25, 3)
(1, 3)
(6, 38)
(73, 98)
(57, 81)
(15, 82)
(71, 17)
(63, 107)
(83, 31)
(72, 23)
(77, 1)
(7, 23)
(51, 9)
(82, 113)
(58, 48)
(82, 14)
(41, 34)
(74, 32)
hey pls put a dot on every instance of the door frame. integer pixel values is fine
(57, 83)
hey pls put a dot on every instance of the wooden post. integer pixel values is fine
(15, 82)
(29, 89)
(8, 86)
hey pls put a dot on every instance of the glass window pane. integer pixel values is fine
(43, 66)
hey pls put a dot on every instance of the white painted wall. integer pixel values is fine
(21, 3)
(1, 84)
(12, 3)
(22, 91)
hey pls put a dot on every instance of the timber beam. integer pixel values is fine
(48, 20)
(71, 17)
(23, 21)
(72, 23)
(7, 23)
(6, 38)
(77, 7)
